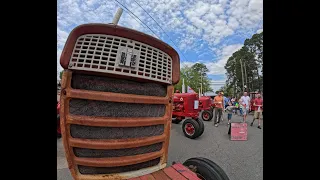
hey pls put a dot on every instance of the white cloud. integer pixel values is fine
(59, 68)
(247, 12)
(217, 67)
(61, 37)
(259, 30)
(195, 24)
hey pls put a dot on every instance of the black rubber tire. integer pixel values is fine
(176, 121)
(58, 124)
(207, 168)
(209, 113)
(201, 125)
(217, 167)
(196, 128)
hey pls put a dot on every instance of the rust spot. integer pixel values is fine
(113, 176)
(64, 92)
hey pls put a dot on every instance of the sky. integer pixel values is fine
(206, 31)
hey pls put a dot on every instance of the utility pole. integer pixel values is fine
(183, 87)
(242, 76)
(201, 84)
(245, 72)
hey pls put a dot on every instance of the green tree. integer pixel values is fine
(255, 46)
(251, 57)
(193, 76)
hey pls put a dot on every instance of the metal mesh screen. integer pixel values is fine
(93, 132)
(107, 84)
(118, 55)
(114, 109)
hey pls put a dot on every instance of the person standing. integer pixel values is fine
(229, 110)
(233, 101)
(257, 104)
(225, 100)
(219, 105)
(245, 101)
(240, 107)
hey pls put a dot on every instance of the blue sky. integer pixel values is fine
(206, 31)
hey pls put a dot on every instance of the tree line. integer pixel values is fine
(244, 67)
(193, 77)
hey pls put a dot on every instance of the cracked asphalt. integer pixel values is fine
(241, 160)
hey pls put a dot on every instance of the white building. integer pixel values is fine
(216, 85)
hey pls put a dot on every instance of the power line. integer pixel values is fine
(160, 28)
(142, 24)
(137, 18)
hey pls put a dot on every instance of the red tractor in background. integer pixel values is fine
(205, 105)
(58, 120)
(187, 105)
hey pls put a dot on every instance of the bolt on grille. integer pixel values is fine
(117, 55)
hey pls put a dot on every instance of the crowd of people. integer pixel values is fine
(232, 105)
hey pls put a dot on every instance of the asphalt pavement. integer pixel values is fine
(241, 160)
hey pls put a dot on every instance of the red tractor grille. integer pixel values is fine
(116, 101)
(114, 132)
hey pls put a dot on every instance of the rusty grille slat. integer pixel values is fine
(103, 153)
(109, 170)
(116, 143)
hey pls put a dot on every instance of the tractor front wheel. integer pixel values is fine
(206, 115)
(191, 128)
(201, 125)
(206, 169)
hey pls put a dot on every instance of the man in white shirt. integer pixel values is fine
(246, 105)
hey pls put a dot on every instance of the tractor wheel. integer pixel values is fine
(206, 169)
(201, 125)
(191, 128)
(206, 115)
(58, 127)
(175, 120)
